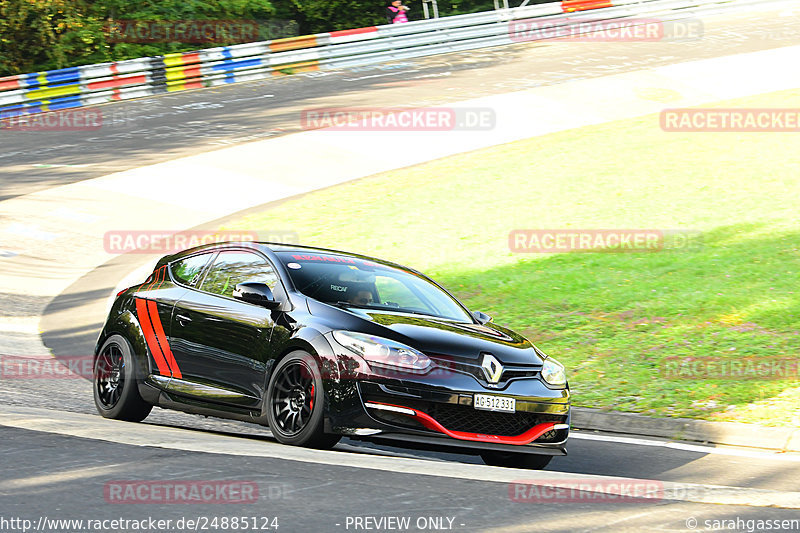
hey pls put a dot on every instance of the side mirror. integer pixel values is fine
(482, 318)
(256, 293)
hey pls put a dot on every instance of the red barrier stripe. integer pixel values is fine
(342, 33)
(193, 72)
(117, 82)
(147, 328)
(584, 5)
(162, 339)
(10, 82)
(193, 57)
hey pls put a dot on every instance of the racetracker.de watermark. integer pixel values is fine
(84, 119)
(180, 492)
(162, 242)
(46, 367)
(746, 368)
(399, 119)
(579, 28)
(603, 240)
(183, 31)
(731, 120)
(619, 490)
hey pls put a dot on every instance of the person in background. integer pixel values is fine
(396, 12)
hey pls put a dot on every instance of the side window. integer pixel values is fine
(232, 268)
(187, 271)
(393, 292)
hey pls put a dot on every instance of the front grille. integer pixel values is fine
(465, 418)
(474, 369)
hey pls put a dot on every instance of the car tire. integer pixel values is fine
(116, 391)
(516, 460)
(295, 403)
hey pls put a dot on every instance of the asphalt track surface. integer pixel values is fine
(156, 129)
(61, 476)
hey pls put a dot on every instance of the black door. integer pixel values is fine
(221, 344)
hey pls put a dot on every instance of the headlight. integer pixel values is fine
(553, 373)
(382, 352)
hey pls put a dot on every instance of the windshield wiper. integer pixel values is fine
(357, 306)
(379, 307)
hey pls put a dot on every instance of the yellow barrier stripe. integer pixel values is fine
(51, 92)
(172, 60)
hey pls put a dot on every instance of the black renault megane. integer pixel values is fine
(318, 344)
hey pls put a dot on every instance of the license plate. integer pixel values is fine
(487, 402)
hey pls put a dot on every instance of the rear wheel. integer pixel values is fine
(295, 403)
(116, 393)
(516, 460)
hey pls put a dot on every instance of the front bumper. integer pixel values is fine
(424, 416)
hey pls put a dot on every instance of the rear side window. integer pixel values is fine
(187, 271)
(232, 268)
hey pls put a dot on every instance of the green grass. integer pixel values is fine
(613, 319)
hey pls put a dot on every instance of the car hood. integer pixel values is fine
(440, 337)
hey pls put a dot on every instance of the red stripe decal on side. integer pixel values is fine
(155, 349)
(162, 339)
(149, 285)
(156, 275)
(163, 270)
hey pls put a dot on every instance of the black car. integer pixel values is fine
(318, 344)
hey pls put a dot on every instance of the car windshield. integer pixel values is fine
(358, 283)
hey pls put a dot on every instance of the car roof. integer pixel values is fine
(276, 247)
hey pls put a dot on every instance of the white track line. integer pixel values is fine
(697, 448)
(97, 428)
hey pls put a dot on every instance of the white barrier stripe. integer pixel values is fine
(326, 51)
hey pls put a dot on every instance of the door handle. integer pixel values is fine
(183, 319)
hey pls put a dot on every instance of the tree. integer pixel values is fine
(47, 34)
(318, 16)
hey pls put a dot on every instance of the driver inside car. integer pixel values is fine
(361, 297)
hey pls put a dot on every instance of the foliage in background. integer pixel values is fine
(317, 16)
(40, 35)
(48, 34)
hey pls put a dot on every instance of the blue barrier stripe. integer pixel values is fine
(18, 110)
(232, 65)
(71, 74)
(65, 103)
(38, 106)
(32, 79)
(226, 53)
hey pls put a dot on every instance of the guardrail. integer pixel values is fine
(121, 80)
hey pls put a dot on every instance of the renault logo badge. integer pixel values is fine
(492, 368)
